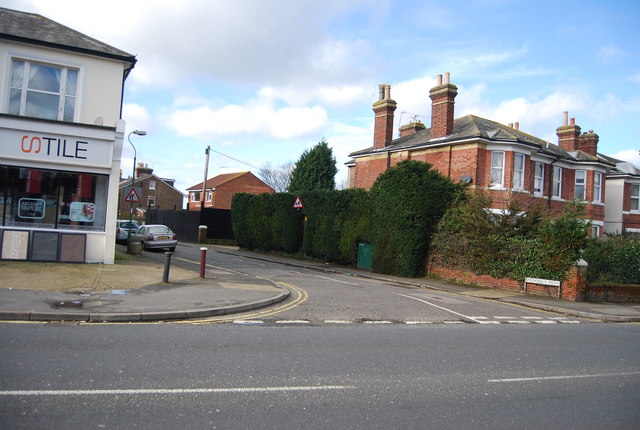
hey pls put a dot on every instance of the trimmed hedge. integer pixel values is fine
(615, 259)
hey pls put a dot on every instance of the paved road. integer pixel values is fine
(329, 298)
(167, 376)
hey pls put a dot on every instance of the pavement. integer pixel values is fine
(131, 290)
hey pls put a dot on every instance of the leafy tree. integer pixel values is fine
(315, 170)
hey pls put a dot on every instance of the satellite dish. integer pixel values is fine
(465, 179)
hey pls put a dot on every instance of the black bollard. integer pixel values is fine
(167, 265)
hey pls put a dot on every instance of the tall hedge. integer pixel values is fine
(615, 259)
(409, 200)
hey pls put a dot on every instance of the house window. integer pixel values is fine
(42, 91)
(557, 181)
(597, 187)
(595, 230)
(518, 172)
(151, 201)
(538, 179)
(195, 196)
(497, 169)
(209, 196)
(152, 185)
(635, 197)
(581, 180)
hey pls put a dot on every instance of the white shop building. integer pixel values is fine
(61, 136)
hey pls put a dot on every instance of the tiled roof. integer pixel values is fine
(470, 127)
(216, 181)
(36, 29)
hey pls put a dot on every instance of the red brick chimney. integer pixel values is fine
(568, 134)
(588, 142)
(383, 109)
(442, 103)
(143, 169)
(412, 128)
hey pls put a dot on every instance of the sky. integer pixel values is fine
(260, 81)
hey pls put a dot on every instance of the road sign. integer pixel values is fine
(298, 203)
(133, 196)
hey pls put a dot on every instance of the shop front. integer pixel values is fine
(58, 190)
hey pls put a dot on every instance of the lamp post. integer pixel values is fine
(133, 176)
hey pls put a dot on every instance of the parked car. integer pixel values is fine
(122, 229)
(156, 236)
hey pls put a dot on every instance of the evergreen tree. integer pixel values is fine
(315, 170)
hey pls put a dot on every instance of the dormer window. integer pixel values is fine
(42, 91)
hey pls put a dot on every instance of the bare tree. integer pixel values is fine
(278, 177)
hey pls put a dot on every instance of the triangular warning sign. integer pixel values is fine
(132, 196)
(298, 203)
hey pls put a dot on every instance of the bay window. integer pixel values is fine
(580, 183)
(518, 172)
(497, 169)
(538, 179)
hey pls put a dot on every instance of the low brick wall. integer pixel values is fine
(572, 288)
(612, 293)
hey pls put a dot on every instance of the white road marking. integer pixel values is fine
(338, 322)
(440, 307)
(517, 322)
(546, 322)
(418, 322)
(569, 322)
(532, 318)
(248, 322)
(292, 322)
(377, 322)
(553, 378)
(174, 391)
(336, 280)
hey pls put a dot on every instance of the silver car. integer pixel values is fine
(156, 236)
(122, 229)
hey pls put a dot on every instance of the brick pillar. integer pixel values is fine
(575, 280)
(588, 142)
(384, 110)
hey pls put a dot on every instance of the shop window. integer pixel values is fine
(38, 198)
(42, 91)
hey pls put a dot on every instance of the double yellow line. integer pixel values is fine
(300, 297)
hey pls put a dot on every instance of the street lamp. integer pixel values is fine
(133, 176)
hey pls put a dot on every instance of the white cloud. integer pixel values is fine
(610, 54)
(251, 118)
(630, 155)
(137, 117)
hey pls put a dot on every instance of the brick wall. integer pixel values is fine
(612, 293)
(573, 286)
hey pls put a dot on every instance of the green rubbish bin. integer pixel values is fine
(364, 255)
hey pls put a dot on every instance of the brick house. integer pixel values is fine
(220, 189)
(155, 193)
(622, 211)
(498, 159)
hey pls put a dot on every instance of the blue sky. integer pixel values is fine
(263, 80)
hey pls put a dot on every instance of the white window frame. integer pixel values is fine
(193, 196)
(518, 183)
(500, 157)
(62, 95)
(580, 185)
(596, 230)
(635, 198)
(209, 195)
(556, 190)
(538, 179)
(597, 187)
(151, 201)
(152, 185)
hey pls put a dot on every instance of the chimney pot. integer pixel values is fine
(439, 80)
(447, 77)
(517, 126)
(590, 131)
(510, 125)
(572, 121)
(565, 118)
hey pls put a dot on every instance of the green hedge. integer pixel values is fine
(409, 200)
(615, 259)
